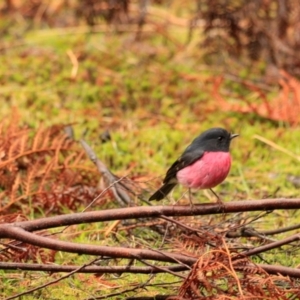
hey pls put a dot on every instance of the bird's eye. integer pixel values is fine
(220, 138)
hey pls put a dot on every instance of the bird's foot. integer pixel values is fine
(219, 201)
(190, 199)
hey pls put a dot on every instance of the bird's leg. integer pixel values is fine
(218, 198)
(190, 198)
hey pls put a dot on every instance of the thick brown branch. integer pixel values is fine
(20, 234)
(156, 212)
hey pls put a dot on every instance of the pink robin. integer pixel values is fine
(204, 164)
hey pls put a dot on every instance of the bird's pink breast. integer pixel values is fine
(209, 171)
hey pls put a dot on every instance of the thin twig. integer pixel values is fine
(280, 230)
(52, 282)
(74, 62)
(142, 285)
(91, 269)
(162, 269)
(277, 147)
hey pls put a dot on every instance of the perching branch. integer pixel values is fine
(155, 212)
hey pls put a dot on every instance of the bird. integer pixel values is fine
(204, 164)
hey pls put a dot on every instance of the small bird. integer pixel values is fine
(204, 164)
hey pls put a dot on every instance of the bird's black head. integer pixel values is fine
(213, 140)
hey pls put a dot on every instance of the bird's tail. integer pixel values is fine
(162, 192)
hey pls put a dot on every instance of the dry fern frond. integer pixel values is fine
(35, 164)
(217, 274)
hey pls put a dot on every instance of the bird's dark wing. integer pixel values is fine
(187, 158)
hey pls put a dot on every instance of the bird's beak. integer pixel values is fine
(232, 136)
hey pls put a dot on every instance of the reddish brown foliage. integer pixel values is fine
(284, 107)
(66, 13)
(266, 30)
(218, 275)
(42, 171)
